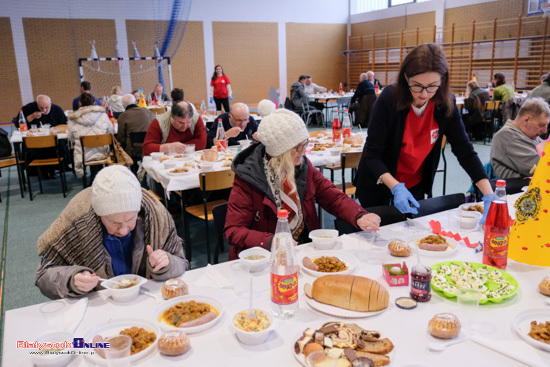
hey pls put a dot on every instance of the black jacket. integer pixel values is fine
(364, 88)
(383, 146)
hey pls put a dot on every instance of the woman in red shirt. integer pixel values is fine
(220, 89)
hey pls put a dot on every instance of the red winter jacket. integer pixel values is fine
(252, 214)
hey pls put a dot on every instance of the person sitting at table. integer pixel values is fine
(42, 112)
(275, 174)
(311, 88)
(175, 128)
(88, 120)
(135, 93)
(238, 125)
(112, 228)
(513, 151)
(115, 101)
(406, 127)
(503, 91)
(475, 104)
(158, 96)
(177, 95)
(298, 94)
(364, 88)
(85, 87)
(542, 91)
(375, 82)
(135, 119)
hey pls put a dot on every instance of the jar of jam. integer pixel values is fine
(421, 277)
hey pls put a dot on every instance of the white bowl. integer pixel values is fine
(464, 207)
(53, 360)
(207, 166)
(468, 219)
(170, 163)
(245, 143)
(253, 337)
(124, 294)
(335, 151)
(255, 265)
(230, 153)
(324, 239)
(156, 155)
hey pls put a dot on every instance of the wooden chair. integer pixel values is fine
(220, 213)
(12, 160)
(209, 182)
(349, 160)
(158, 110)
(491, 109)
(444, 169)
(95, 141)
(41, 142)
(440, 203)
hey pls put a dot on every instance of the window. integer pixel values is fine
(364, 6)
(400, 2)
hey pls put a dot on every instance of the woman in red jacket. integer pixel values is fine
(274, 174)
(220, 89)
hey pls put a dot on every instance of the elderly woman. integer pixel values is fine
(406, 128)
(109, 229)
(115, 101)
(274, 174)
(88, 120)
(475, 104)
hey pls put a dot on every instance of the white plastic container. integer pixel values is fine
(124, 294)
(53, 360)
(255, 265)
(324, 239)
(468, 219)
(253, 337)
(156, 155)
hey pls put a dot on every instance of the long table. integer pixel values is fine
(407, 329)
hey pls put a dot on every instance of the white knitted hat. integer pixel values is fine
(265, 107)
(280, 131)
(115, 190)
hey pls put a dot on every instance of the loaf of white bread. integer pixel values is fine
(350, 292)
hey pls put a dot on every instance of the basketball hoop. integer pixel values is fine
(545, 7)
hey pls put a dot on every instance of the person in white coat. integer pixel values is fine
(88, 120)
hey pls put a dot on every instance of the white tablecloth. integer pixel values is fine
(406, 329)
(17, 136)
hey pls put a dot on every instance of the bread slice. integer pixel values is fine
(382, 346)
(379, 297)
(333, 290)
(378, 360)
(361, 294)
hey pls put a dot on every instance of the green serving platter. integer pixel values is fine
(490, 284)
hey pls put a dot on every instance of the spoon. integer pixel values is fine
(439, 347)
(251, 314)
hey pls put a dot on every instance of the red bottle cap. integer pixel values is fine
(501, 183)
(283, 213)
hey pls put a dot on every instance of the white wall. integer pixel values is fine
(280, 11)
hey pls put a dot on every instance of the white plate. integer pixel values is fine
(114, 327)
(338, 311)
(349, 259)
(221, 156)
(449, 252)
(522, 325)
(190, 172)
(189, 330)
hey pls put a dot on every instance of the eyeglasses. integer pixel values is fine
(301, 146)
(420, 88)
(239, 120)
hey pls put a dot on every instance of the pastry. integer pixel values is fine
(173, 343)
(174, 288)
(210, 155)
(544, 286)
(399, 248)
(444, 326)
(350, 292)
(312, 347)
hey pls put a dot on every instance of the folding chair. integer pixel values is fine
(439, 204)
(219, 212)
(12, 160)
(209, 182)
(41, 142)
(308, 112)
(349, 160)
(95, 141)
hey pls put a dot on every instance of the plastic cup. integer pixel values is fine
(53, 314)
(34, 127)
(468, 303)
(118, 351)
(171, 150)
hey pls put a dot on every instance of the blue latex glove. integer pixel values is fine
(230, 98)
(211, 99)
(403, 199)
(487, 200)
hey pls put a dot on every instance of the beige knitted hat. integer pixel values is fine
(280, 131)
(115, 190)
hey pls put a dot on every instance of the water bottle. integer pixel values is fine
(22, 121)
(221, 140)
(500, 189)
(336, 128)
(284, 270)
(203, 108)
(346, 125)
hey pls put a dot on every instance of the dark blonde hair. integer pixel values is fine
(472, 84)
(424, 58)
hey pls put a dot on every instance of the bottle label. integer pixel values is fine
(222, 143)
(284, 288)
(347, 132)
(420, 288)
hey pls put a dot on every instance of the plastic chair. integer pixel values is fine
(41, 142)
(209, 182)
(94, 141)
(439, 204)
(219, 212)
(308, 112)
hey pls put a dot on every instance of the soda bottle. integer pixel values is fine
(346, 125)
(500, 189)
(336, 128)
(421, 277)
(203, 108)
(376, 89)
(142, 99)
(221, 140)
(284, 270)
(110, 114)
(22, 121)
(497, 231)
(340, 90)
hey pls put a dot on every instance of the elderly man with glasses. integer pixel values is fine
(238, 125)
